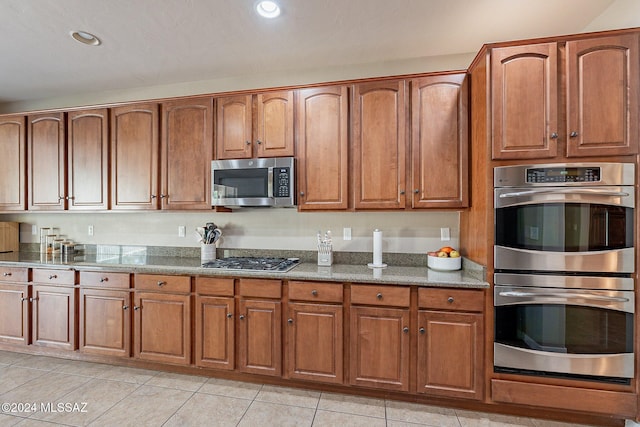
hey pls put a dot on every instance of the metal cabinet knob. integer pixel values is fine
(229, 315)
(104, 279)
(33, 299)
(314, 293)
(248, 142)
(24, 299)
(405, 329)
(450, 300)
(422, 331)
(136, 308)
(573, 134)
(302, 193)
(164, 196)
(53, 276)
(6, 274)
(153, 196)
(290, 321)
(242, 317)
(416, 191)
(554, 135)
(401, 192)
(160, 284)
(125, 307)
(379, 296)
(259, 142)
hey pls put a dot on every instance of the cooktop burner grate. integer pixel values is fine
(253, 263)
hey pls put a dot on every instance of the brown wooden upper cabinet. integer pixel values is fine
(322, 122)
(602, 83)
(379, 129)
(134, 156)
(13, 175)
(440, 141)
(46, 151)
(249, 126)
(186, 154)
(88, 159)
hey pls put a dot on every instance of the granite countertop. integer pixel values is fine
(471, 276)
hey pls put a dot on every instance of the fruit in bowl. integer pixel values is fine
(444, 259)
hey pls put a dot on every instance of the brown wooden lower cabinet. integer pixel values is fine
(450, 354)
(105, 322)
(314, 342)
(162, 327)
(259, 336)
(215, 332)
(379, 347)
(14, 313)
(54, 316)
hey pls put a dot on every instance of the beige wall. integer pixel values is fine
(250, 228)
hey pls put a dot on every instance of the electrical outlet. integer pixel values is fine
(182, 231)
(445, 234)
(346, 233)
(90, 230)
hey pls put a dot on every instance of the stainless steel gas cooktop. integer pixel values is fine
(254, 263)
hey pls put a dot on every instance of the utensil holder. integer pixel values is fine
(207, 252)
(325, 254)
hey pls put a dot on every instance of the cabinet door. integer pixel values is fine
(46, 162)
(88, 163)
(215, 337)
(233, 127)
(105, 322)
(440, 129)
(450, 354)
(134, 157)
(274, 129)
(379, 138)
(259, 339)
(379, 348)
(162, 325)
(603, 80)
(322, 122)
(14, 314)
(13, 163)
(311, 327)
(54, 317)
(187, 151)
(524, 101)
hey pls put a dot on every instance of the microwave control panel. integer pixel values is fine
(563, 174)
(282, 182)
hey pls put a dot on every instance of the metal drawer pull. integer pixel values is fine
(6, 274)
(405, 329)
(33, 299)
(24, 299)
(53, 277)
(136, 308)
(422, 331)
(314, 293)
(379, 296)
(450, 300)
(290, 321)
(125, 307)
(229, 315)
(161, 283)
(242, 317)
(104, 279)
(573, 134)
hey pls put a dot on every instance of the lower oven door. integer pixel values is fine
(564, 332)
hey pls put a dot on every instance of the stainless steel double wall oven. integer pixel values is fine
(564, 260)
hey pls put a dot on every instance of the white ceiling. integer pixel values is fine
(162, 42)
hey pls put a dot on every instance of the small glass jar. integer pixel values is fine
(57, 246)
(50, 239)
(44, 232)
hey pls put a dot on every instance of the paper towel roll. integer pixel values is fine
(377, 249)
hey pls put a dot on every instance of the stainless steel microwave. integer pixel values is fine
(267, 182)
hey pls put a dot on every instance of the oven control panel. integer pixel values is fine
(563, 174)
(282, 182)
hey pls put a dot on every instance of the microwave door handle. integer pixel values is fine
(593, 192)
(565, 295)
(270, 182)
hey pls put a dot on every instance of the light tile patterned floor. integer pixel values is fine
(121, 396)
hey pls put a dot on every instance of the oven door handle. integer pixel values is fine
(566, 295)
(572, 190)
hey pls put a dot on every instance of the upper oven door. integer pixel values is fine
(587, 229)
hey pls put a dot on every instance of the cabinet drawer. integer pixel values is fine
(260, 288)
(54, 277)
(451, 299)
(153, 282)
(214, 286)
(105, 280)
(397, 296)
(315, 291)
(14, 274)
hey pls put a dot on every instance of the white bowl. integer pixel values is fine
(444, 264)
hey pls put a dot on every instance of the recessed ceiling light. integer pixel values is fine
(268, 9)
(85, 38)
